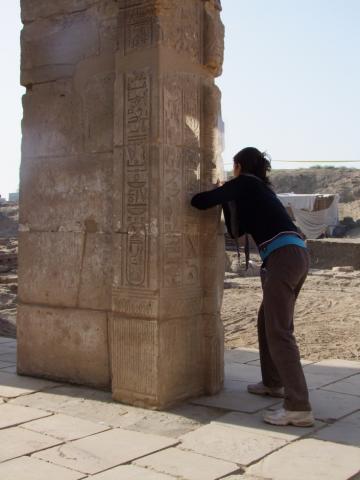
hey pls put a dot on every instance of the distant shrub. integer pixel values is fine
(325, 166)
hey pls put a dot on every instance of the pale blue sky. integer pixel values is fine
(290, 85)
(291, 79)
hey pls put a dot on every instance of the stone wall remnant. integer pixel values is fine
(120, 279)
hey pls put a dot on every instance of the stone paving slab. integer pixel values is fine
(17, 441)
(346, 430)
(6, 364)
(104, 450)
(338, 369)
(253, 423)
(315, 381)
(172, 423)
(303, 362)
(237, 401)
(310, 459)
(235, 385)
(329, 406)
(29, 468)
(242, 372)
(242, 355)
(7, 348)
(9, 369)
(64, 427)
(9, 357)
(12, 415)
(233, 444)
(11, 343)
(15, 385)
(7, 340)
(350, 386)
(82, 414)
(246, 477)
(80, 402)
(131, 472)
(187, 465)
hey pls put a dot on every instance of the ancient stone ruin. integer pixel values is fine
(120, 279)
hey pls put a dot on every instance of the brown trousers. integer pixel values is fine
(282, 277)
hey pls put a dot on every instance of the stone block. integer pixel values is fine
(187, 465)
(49, 267)
(131, 472)
(233, 444)
(16, 442)
(186, 38)
(167, 350)
(310, 459)
(63, 344)
(65, 269)
(98, 108)
(214, 353)
(63, 427)
(96, 453)
(135, 280)
(52, 122)
(13, 385)
(95, 275)
(66, 194)
(213, 38)
(34, 9)
(334, 252)
(29, 468)
(13, 415)
(52, 47)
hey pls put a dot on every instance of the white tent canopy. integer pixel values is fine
(311, 220)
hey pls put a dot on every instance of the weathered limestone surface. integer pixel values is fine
(120, 279)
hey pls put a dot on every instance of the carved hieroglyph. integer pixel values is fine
(136, 88)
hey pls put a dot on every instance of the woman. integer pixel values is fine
(251, 206)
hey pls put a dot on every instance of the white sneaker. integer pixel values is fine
(261, 389)
(287, 417)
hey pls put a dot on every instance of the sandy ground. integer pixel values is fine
(350, 209)
(327, 318)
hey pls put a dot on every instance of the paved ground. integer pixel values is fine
(62, 432)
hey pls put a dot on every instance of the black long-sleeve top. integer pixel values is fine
(250, 205)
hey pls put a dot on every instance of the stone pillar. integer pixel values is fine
(120, 279)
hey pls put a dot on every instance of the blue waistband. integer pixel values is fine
(281, 242)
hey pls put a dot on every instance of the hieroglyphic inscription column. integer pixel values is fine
(166, 338)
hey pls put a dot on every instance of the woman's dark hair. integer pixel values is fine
(252, 161)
